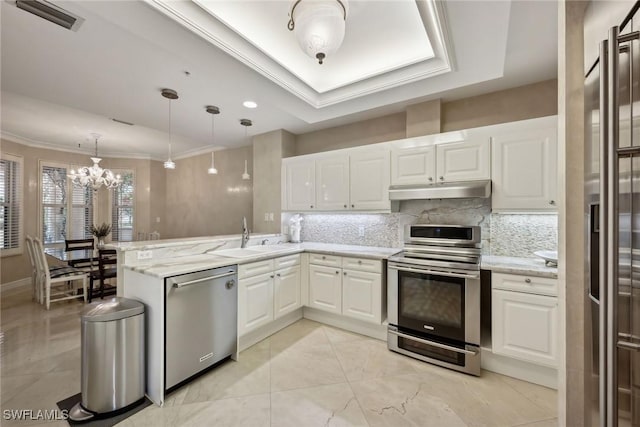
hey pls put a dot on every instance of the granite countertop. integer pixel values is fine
(167, 243)
(516, 265)
(167, 267)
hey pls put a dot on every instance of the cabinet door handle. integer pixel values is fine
(442, 178)
(278, 274)
(311, 206)
(353, 206)
(324, 257)
(359, 261)
(337, 272)
(430, 179)
(345, 273)
(552, 202)
(345, 206)
(272, 276)
(527, 280)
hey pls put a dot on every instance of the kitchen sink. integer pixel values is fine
(269, 248)
(237, 253)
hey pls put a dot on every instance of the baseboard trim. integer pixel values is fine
(26, 282)
(346, 323)
(537, 374)
(266, 331)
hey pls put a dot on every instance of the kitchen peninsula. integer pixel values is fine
(274, 288)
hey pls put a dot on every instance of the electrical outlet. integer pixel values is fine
(266, 216)
(145, 254)
(361, 230)
(270, 216)
(157, 219)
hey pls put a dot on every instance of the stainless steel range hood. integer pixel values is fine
(449, 190)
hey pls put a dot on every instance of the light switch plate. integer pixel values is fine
(145, 254)
(270, 216)
(361, 230)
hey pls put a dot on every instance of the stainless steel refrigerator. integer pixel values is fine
(612, 185)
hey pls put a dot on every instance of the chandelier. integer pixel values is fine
(318, 26)
(94, 176)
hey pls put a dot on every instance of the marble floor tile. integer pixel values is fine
(328, 405)
(307, 374)
(250, 374)
(249, 411)
(369, 358)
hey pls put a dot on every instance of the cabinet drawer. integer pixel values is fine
(362, 264)
(286, 261)
(255, 268)
(328, 260)
(528, 284)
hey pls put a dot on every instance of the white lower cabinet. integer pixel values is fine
(361, 295)
(325, 288)
(255, 297)
(267, 296)
(524, 324)
(286, 297)
(348, 286)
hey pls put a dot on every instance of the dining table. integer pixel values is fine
(75, 257)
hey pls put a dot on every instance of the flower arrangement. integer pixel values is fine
(101, 231)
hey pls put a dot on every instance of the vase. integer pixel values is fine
(100, 243)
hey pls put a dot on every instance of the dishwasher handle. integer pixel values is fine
(203, 279)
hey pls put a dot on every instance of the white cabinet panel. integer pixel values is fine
(369, 180)
(464, 161)
(325, 288)
(287, 291)
(528, 284)
(324, 259)
(524, 326)
(415, 165)
(286, 261)
(255, 268)
(362, 295)
(299, 192)
(525, 170)
(332, 183)
(255, 302)
(362, 264)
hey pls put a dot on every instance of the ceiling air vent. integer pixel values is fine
(51, 13)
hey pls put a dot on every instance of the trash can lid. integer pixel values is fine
(113, 309)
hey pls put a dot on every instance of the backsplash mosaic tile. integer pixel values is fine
(516, 235)
(522, 235)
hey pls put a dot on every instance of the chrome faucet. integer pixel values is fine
(245, 232)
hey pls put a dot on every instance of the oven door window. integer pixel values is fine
(431, 304)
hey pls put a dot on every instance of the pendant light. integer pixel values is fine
(170, 94)
(246, 123)
(213, 110)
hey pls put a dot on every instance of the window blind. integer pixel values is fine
(122, 208)
(10, 204)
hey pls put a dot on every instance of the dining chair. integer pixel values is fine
(85, 264)
(107, 260)
(34, 269)
(61, 276)
(141, 236)
(154, 235)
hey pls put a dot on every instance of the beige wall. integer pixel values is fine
(268, 151)
(520, 103)
(380, 129)
(199, 204)
(510, 105)
(17, 267)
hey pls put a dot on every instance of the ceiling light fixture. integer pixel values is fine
(250, 104)
(246, 123)
(318, 25)
(94, 176)
(213, 110)
(170, 94)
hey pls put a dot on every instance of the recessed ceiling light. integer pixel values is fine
(250, 104)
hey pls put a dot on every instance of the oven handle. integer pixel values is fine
(434, 344)
(441, 273)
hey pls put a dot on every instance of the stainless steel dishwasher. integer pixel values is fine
(201, 323)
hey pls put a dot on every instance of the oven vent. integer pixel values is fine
(51, 13)
(449, 190)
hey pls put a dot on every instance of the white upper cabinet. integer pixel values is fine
(525, 169)
(413, 165)
(332, 183)
(464, 161)
(369, 180)
(299, 190)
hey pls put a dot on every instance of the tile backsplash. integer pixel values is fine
(502, 234)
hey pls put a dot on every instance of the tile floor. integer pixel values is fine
(308, 374)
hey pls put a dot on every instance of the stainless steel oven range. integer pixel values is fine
(433, 296)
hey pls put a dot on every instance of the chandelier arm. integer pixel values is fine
(291, 25)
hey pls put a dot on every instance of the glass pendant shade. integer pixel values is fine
(213, 110)
(170, 94)
(246, 123)
(212, 170)
(319, 26)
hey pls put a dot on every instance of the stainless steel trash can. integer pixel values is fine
(113, 355)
